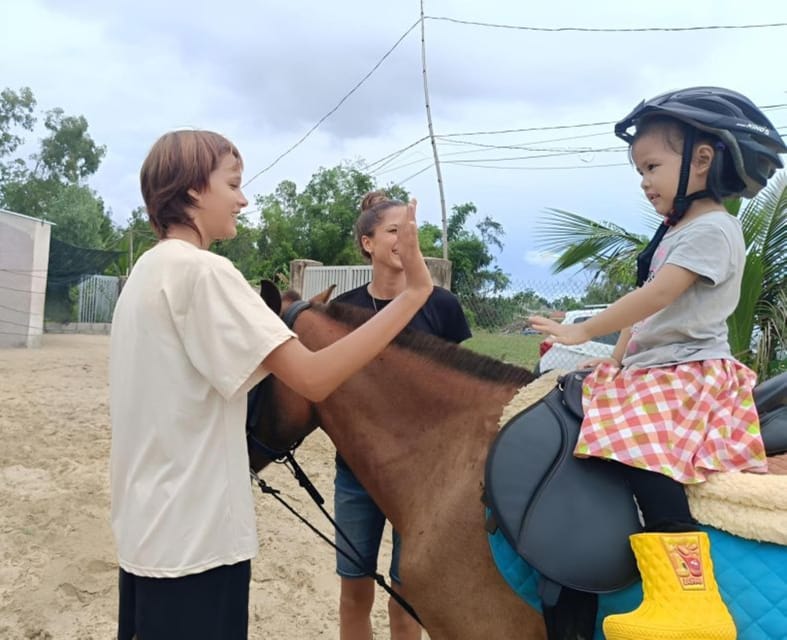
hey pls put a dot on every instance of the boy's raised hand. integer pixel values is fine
(415, 268)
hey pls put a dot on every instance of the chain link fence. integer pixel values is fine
(71, 294)
(500, 327)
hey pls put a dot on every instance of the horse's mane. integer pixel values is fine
(428, 346)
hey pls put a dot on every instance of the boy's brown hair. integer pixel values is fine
(177, 162)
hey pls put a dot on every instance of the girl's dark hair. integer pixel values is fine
(721, 176)
(177, 162)
(373, 206)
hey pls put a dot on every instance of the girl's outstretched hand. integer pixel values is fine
(415, 269)
(561, 333)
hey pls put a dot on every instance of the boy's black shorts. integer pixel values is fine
(213, 605)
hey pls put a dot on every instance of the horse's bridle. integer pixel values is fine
(293, 311)
(255, 404)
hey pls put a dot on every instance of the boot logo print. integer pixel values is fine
(683, 552)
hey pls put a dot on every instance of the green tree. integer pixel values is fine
(475, 277)
(68, 154)
(132, 241)
(50, 184)
(604, 249)
(615, 279)
(764, 222)
(473, 266)
(16, 112)
(242, 250)
(79, 216)
(567, 303)
(317, 223)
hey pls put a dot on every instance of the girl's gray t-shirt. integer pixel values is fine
(693, 327)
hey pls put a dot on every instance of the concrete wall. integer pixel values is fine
(24, 258)
(95, 328)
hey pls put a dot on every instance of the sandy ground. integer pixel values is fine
(58, 571)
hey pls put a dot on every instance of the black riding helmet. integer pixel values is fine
(751, 146)
(752, 143)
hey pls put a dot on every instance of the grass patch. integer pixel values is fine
(514, 348)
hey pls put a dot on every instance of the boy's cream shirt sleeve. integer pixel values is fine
(228, 329)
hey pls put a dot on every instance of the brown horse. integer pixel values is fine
(415, 426)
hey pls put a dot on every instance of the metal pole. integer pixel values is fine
(130, 250)
(431, 137)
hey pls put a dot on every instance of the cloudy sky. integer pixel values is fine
(264, 72)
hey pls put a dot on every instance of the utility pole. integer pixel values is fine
(431, 137)
(130, 250)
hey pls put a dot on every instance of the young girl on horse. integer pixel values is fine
(357, 515)
(190, 337)
(673, 405)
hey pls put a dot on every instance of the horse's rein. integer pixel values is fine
(288, 459)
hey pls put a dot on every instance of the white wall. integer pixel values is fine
(24, 258)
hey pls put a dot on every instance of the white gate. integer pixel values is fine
(319, 278)
(97, 298)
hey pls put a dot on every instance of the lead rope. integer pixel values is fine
(303, 480)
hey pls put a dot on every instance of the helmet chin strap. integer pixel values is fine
(680, 206)
(682, 201)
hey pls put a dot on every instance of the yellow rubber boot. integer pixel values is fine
(681, 600)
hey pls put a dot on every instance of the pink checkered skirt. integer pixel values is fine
(684, 421)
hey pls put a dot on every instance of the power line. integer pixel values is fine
(414, 156)
(547, 141)
(417, 173)
(553, 154)
(524, 129)
(524, 147)
(535, 157)
(606, 29)
(392, 156)
(562, 126)
(339, 104)
(464, 163)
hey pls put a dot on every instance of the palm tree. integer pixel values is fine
(762, 303)
(609, 251)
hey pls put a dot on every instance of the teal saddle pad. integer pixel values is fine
(752, 577)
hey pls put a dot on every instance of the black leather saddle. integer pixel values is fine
(771, 400)
(569, 518)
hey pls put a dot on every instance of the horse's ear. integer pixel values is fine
(323, 296)
(269, 292)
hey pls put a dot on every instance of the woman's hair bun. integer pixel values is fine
(373, 198)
